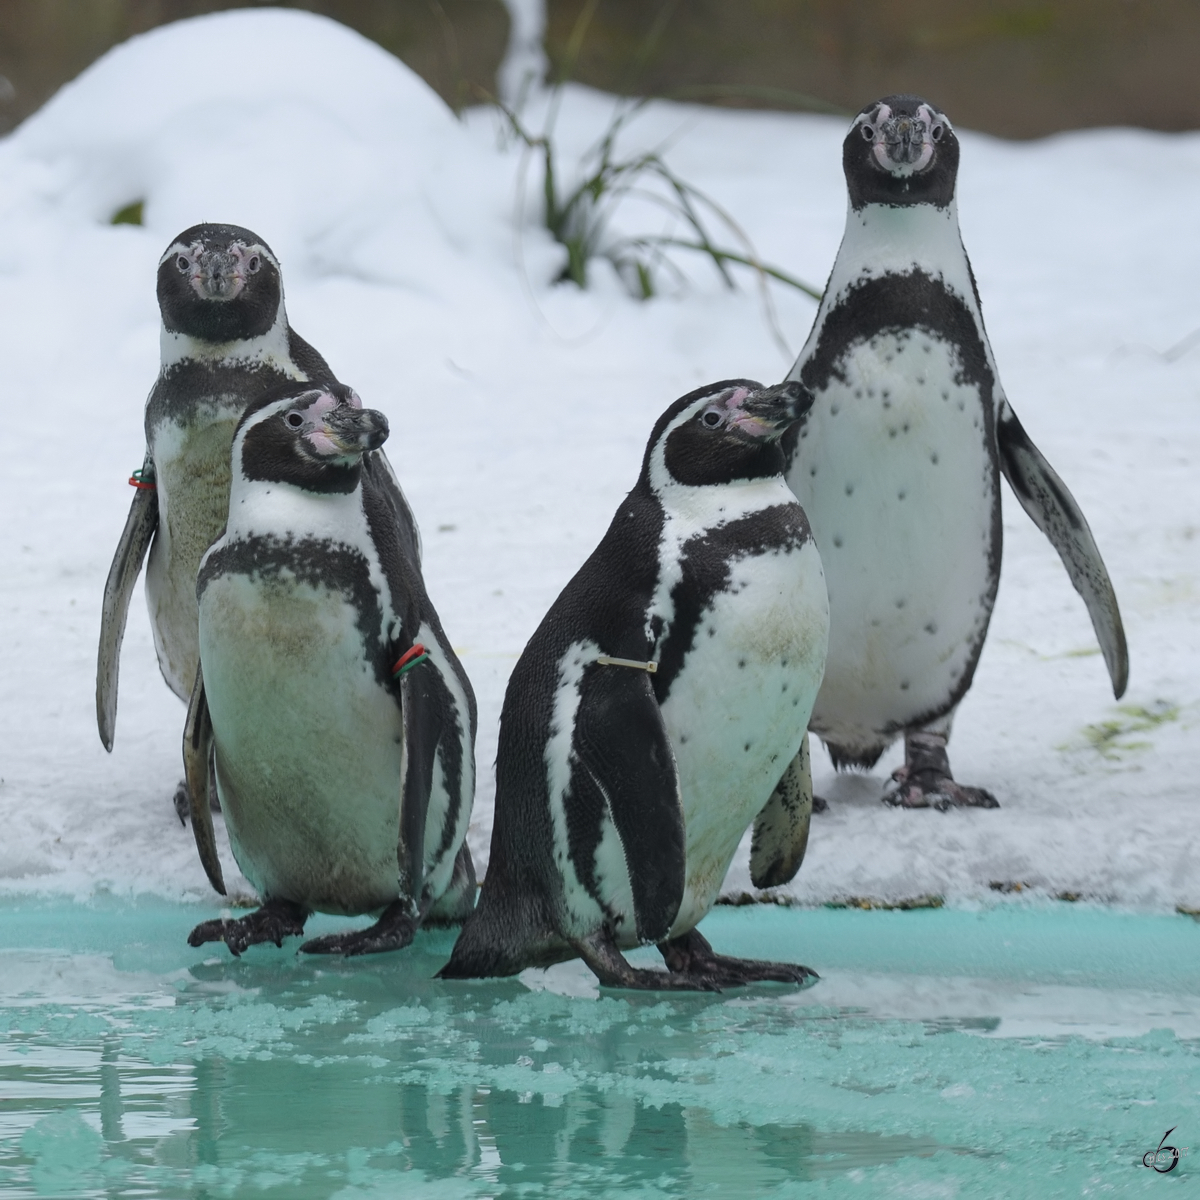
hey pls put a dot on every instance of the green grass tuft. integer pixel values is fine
(1111, 738)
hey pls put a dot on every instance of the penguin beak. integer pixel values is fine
(355, 430)
(765, 414)
(905, 143)
(217, 275)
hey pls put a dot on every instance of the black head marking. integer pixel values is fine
(312, 438)
(219, 283)
(900, 150)
(725, 431)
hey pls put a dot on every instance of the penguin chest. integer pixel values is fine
(309, 741)
(737, 710)
(191, 466)
(897, 472)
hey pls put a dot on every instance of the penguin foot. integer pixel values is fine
(273, 922)
(394, 930)
(608, 964)
(183, 808)
(691, 954)
(180, 800)
(925, 780)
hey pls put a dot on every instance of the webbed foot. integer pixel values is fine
(183, 809)
(394, 930)
(691, 954)
(608, 964)
(273, 922)
(925, 780)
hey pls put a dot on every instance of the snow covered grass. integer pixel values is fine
(520, 410)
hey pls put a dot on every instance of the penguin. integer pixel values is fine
(328, 703)
(898, 463)
(659, 709)
(225, 343)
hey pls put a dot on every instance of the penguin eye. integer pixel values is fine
(182, 262)
(868, 132)
(712, 418)
(936, 132)
(295, 420)
(253, 264)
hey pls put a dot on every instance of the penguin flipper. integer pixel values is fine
(622, 745)
(197, 747)
(1053, 510)
(139, 530)
(781, 829)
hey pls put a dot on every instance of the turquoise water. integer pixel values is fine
(1012, 1052)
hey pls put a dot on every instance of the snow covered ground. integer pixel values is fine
(520, 410)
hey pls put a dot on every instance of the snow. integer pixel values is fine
(519, 412)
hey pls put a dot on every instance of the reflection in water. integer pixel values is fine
(161, 1075)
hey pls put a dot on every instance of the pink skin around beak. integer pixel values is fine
(318, 435)
(748, 423)
(221, 274)
(904, 145)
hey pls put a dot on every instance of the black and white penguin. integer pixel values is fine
(339, 722)
(225, 343)
(659, 709)
(898, 464)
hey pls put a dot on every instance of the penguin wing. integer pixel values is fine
(436, 729)
(622, 746)
(382, 481)
(1053, 510)
(139, 530)
(781, 829)
(197, 754)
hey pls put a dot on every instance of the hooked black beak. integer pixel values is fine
(356, 430)
(773, 409)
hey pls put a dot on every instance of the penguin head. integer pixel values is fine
(723, 432)
(900, 150)
(311, 438)
(219, 283)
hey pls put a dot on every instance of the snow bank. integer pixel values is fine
(520, 410)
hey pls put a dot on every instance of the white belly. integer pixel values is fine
(308, 744)
(737, 711)
(895, 474)
(192, 476)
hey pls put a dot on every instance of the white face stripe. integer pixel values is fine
(690, 509)
(191, 249)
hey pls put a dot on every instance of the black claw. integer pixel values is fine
(925, 780)
(273, 922)
(692, 955)
(394, 930)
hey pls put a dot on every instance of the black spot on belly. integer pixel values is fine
(849, 489)
(746, 746)
(931, 627)
(900, 495)
(833, 410)
(837, 540)
(901, 603)
(741, 664)
(904, 685)
(933, 458)
(784, 687)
